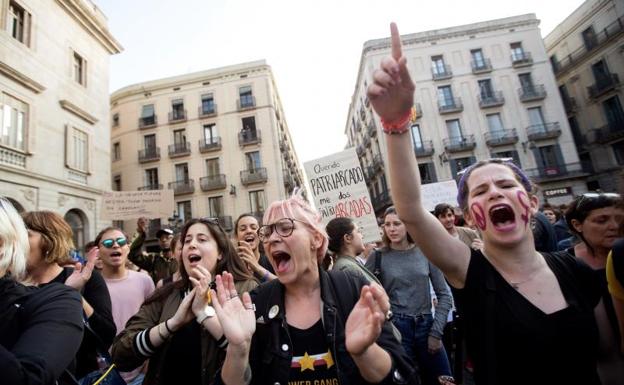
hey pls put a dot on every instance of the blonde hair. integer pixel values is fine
(296, 207)
(14, 246)
(56, 235)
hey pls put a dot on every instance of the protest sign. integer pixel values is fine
(122, 205)
(339, 190)
(440, 192)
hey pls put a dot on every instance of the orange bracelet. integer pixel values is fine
(397, 127)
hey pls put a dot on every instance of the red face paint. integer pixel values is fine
(525, 216)
(479, 216)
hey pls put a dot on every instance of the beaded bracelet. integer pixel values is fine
(398, 126)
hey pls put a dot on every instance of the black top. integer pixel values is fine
(40, 331)
(513, 342)
(184, 357)
(95, 292)
(312, 361)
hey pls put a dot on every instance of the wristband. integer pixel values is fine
(160, 333)
(265, 277)
(167, 327)
(398, 126)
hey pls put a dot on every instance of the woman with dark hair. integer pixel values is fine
(406, 274)
(50, 238)
(181, 351)
(346, 242)
(528, 316)
(40, 328)
(595, 219)
(248, 247)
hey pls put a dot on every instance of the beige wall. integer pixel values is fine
(455, 45)
(598, 143)
(40, 75)
(224, 84)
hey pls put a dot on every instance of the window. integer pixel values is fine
(207, 104)
(613, 112)
(478, 60)
(116, 120)
(80, 69)
(257, 201)
(459, 164)
(437, 65)
(427, 173)
(116, 151)
(618, 151)
(177, 109)
(526, 82)
(184, 211)
(182, 172)
(416, 136)
(151, 178)
(246, 97)
(249, 124)
(252, 160)
(454, 130)
(485, 89)
(212, 167)
(601, 72)
(215, 207)
(554, 63)
(536, 118)
(547, 158)
(508, 154)
(210, 134)
(495, 125)
(149, 141)
(179, 138)
(77, 150)
(589, 38)
(517, 52)
(445, 96)
(18, 24)
(117, 183)
(13, 122)
(76, 220)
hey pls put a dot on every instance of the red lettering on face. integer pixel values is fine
(479, 216)
(521, 197)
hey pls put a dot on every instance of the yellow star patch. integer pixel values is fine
(328, 359)
(306, 362)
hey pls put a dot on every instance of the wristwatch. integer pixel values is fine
(208, 312)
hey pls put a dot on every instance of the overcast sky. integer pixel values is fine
(313, 47)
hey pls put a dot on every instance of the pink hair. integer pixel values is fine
(296, 207)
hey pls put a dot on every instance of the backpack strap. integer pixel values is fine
(377, 254)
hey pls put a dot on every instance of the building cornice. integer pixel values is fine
(79, 11)
(79, 112)
(7, 170)
(20, 78)
(590, 11)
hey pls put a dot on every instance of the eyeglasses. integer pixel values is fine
(284, 228)
(592, 196)
(109, 243)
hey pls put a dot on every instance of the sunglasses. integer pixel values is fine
(109, 243)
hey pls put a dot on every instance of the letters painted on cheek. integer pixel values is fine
(479, 216)
(523, 199)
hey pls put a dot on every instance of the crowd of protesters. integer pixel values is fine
(495, 290)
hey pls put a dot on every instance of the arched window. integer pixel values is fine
(78, 223)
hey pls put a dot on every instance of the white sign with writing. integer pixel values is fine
(439, 192)
(339, 190)
(122, 205)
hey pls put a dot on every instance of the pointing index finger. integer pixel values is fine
(396, 42)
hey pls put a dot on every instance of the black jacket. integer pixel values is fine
(270, 364)
(40, 332)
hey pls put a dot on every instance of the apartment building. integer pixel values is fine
(586, 51)
(54, 71)
(217, 138)
(482, 90)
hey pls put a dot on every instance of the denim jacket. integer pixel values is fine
(271, 348)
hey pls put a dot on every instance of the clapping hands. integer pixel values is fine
(237, 317)
(82, 274)
(366, 319)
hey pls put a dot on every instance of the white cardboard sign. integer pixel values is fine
(122, 205)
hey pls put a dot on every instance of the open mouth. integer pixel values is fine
(250, 238)
(115, 254)
(194, 258)
(502, 217)
(282, 260)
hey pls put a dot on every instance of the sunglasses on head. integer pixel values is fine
(592, 196)
(109, 243)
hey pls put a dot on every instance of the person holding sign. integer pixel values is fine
(161, 264)
(529, 316)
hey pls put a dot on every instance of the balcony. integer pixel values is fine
(177, 116)
(532, 92)
(372, 129)
(544, 131)
(179, 149)
(359, 150)
(249, 137)
(246, 102)
(501, 137)
(151, 187)
(424, 149)
(493, 99)
(148, 122)
(603, 85)
(212, 182)
(210, 144)
(207, 111)
(521, 59)
(368, 173)
(602, 38)
(381, 201)
(447, 106)
(226, 222)
(459, 143)
(182, 187)
(441, 73)
(608, 133)
(557, 172)
(289, 181)
(377, 163)
(569, 104)
(481, 66)
(254, 175)
(149, 154)
(366, 141)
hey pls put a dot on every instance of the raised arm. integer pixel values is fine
(392, 97)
